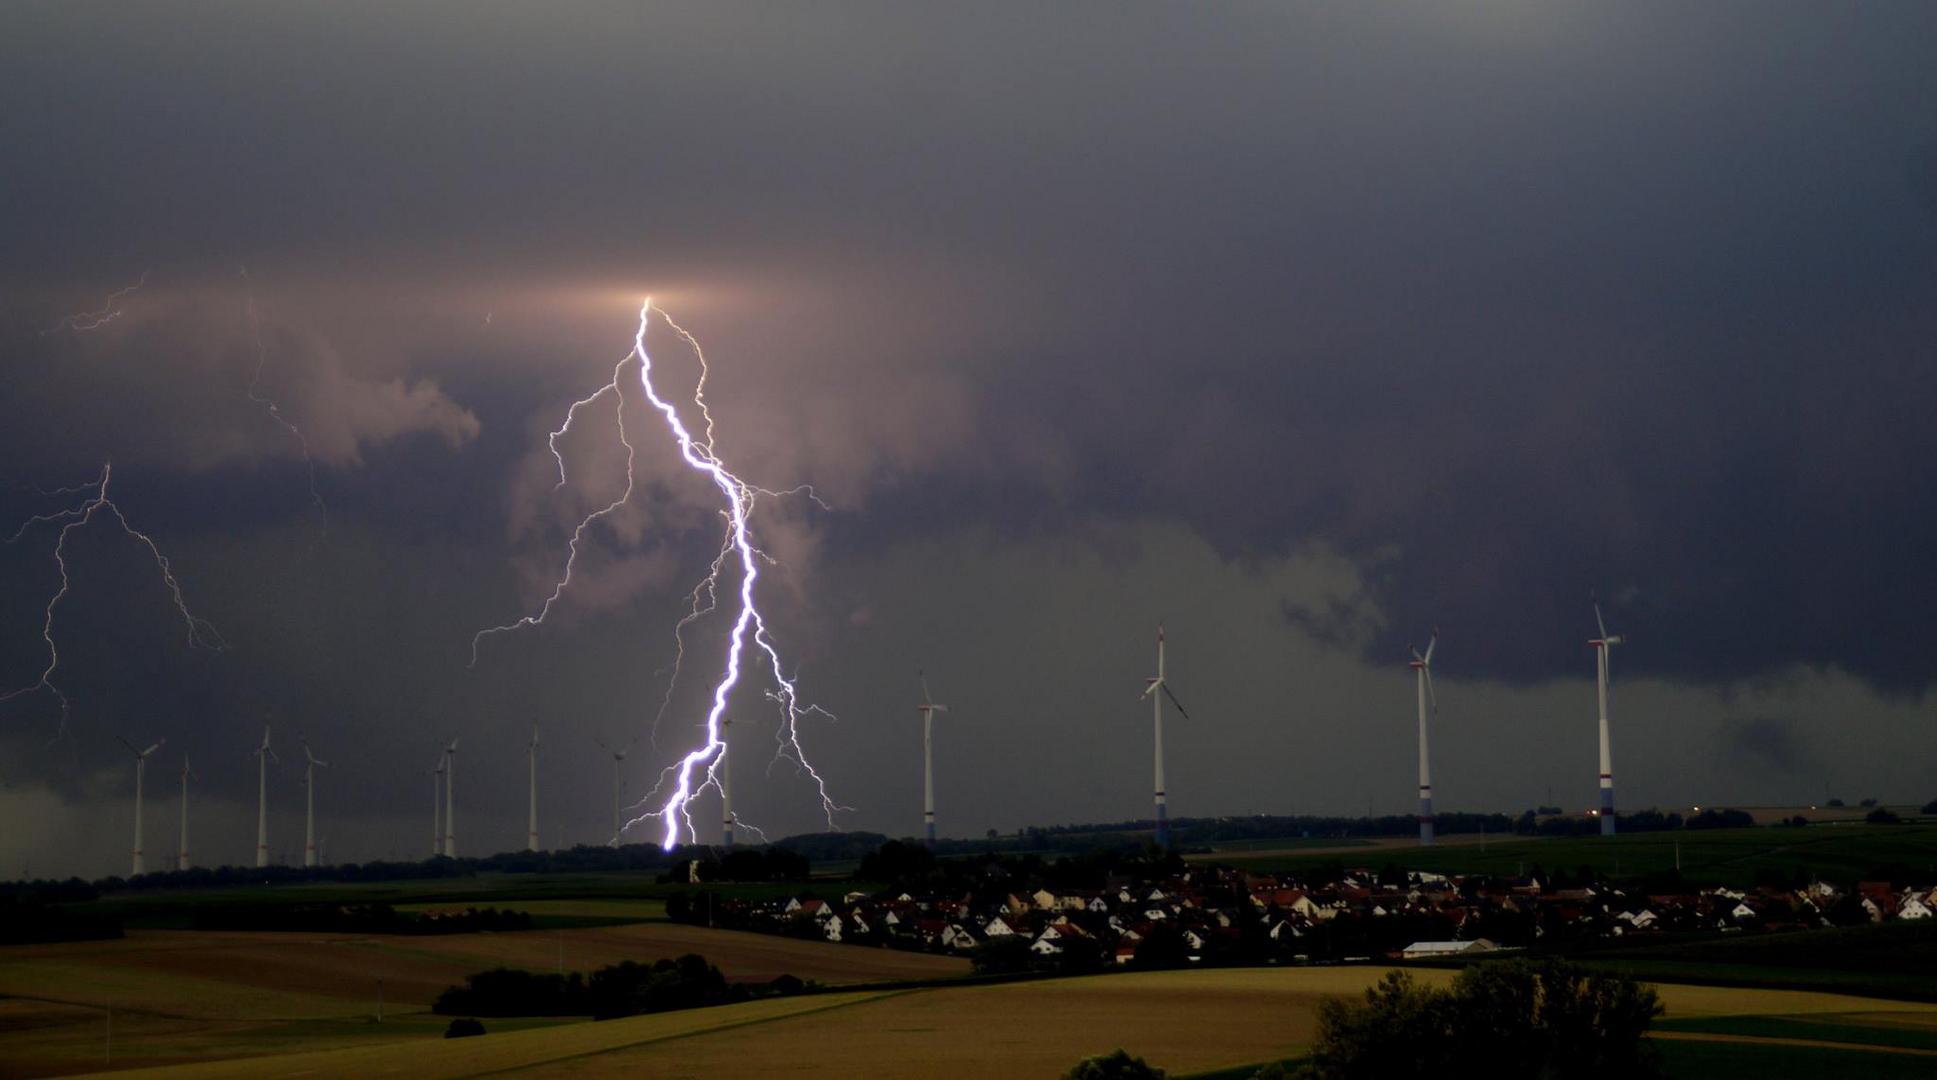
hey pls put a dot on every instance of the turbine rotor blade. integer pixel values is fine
(1597, 620)
(1431, 644)
(1430, 694)
(1173, 700)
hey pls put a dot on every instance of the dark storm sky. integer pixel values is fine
(1302, 327)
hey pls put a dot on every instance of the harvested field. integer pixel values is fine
(241, 975)
(187, 995)
(1185, 1021)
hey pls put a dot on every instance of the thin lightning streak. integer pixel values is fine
(699, 390)
(274, 411)
(585, 523)
(94, 320)
(710, 586)
(201, 634)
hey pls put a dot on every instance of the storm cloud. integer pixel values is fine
(1303, 328)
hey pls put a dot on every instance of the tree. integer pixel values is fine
(1511, 1018)
(897, 863)
(1117, 1066)
(1881, 816)
(1929, 807)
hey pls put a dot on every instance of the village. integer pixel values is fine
(1214, 915)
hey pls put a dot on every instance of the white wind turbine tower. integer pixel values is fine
(1603, 655)
(1150, 690)
(531, 825)
(928, 709)
(437, 808)
(618, 762)
(450, 803)
(726, 782)
(181, 857)
(141, 766)
(263, 754)
(309, 815)
(1422, 667)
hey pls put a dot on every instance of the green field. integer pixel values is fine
(1286, 843)
(1893, 959)
(1732, 857)
(555, 901)
(1767, 1061)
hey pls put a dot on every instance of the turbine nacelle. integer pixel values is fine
(928, 706)
(619, 753)
(1423, 662)
(142, 754)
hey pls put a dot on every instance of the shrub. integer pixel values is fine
(1929, 807)
(1117, 1066)
(1512, 1018)
(511, 992)
(1881, 816)
(463, 1028)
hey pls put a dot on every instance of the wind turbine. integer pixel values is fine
(531, 826)
(437, 808)
(263, 756)
(181, 857)
(1422, 666)
(141, 766)
(618, 760)
(1603, 655)
(726, 783)
(309, 816)
(1152, 685)
(928, 709)
(450, 804)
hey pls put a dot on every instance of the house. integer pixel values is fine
(1431, 949)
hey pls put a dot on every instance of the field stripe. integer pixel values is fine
(1757, 1040)
(431, 1059)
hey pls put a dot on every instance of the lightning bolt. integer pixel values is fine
(274, 411)
(697, 770)
(96, 319)
(201, 634)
